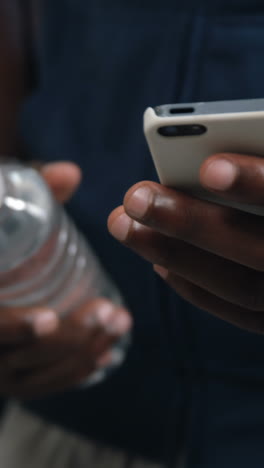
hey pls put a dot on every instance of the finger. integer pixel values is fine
(118, 326)
(226, 232)
(111, 323)
(100, 313)
(19, 326)
(228, 280)
(76, 366)
(51, 345)
(58, 377)
(235, 177)
(238, 316)
(63, 179)
(94, 328)
(32, 357)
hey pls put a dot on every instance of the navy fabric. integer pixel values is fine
(190, 380)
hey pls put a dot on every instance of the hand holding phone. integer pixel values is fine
(210, 254)
(181, 137)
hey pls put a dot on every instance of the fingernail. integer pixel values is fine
(138, 203)
(219, 175)
(120, 325)
(45, 322)
(120, 227)
(162, 272)
(104, 313)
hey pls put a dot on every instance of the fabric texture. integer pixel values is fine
(27, 442)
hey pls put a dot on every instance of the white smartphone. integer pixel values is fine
(181, 136)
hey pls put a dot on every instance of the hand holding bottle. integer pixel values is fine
(41, 352)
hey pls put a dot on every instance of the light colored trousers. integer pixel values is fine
(28, 442)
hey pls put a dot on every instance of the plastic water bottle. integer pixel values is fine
(44, 260)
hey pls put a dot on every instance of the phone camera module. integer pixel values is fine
(182, 130)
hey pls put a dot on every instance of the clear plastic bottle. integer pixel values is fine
(44, 260)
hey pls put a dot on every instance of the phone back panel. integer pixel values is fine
(178, 159)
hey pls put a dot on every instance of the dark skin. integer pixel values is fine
(191, 240)
(13, 74)
(39, 352)
(213, 256)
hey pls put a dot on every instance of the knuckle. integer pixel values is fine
(177, 214)
(95, 313)
(186, 224)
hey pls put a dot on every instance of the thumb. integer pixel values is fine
(63, 179)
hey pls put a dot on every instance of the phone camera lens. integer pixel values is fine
(182, 130)
(195, 128)
(198, 129)
(169, 131)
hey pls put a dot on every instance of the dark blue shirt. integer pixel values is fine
(190, 379)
